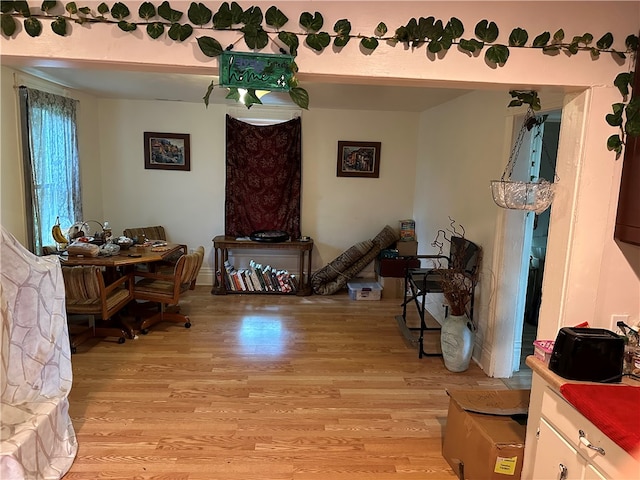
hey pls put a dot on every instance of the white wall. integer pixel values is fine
(336, 212)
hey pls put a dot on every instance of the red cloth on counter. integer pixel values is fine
(614, 409)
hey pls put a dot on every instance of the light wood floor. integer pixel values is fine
(264, 387)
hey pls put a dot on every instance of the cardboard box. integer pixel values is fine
(407, 248)
(485, 433)
(408, 229)
(364, 289)
(392, 287)
(395, 267)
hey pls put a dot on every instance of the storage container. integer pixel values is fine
(364, 289)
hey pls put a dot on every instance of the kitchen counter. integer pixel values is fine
(591, 435)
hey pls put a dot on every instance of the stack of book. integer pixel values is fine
(258, 278)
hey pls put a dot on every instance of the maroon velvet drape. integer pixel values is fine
(263, 177)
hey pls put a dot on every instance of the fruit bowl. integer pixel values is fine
(124, 243)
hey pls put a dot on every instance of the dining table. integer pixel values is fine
(124, 262)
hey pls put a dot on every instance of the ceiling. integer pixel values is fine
(183, 87)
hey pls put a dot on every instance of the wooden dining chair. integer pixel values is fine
(162, 292)
(87, 294)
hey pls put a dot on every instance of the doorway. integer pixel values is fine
(543, 154)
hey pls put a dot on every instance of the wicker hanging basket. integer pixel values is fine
(535, 196)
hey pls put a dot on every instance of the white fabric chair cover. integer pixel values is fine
(37, 439)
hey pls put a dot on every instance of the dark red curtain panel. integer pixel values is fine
(263, 177)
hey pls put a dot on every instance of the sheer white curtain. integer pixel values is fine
(52, 172)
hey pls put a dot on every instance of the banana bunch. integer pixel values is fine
(56, 233)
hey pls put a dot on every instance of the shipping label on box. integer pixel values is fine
(485, 433)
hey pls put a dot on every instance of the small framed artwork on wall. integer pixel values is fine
(359, 159)
(167, 151)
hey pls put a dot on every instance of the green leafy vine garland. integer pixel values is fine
(258, 29)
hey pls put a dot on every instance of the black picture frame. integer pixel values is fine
(358, 159)
(167, 151)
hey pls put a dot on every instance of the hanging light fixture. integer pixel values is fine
(533, 196)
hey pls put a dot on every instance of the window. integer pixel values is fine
(51, 164)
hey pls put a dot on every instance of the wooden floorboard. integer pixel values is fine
(264, 387)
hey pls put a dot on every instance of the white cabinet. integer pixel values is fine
(562, 444)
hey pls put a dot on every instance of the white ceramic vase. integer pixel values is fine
(457, 338)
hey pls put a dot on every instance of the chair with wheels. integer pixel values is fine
(87, 294)
(160, 293)
(463, 260)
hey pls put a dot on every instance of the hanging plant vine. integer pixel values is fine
(258, 29)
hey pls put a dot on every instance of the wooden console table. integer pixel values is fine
(222, 244)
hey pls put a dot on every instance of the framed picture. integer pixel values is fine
(167, 151)
(359, 159)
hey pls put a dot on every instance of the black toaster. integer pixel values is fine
(588, 354)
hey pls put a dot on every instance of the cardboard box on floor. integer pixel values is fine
(485, 432)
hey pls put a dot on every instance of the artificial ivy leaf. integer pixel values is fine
(318, 41)
(127, 26)
(631, 42)
(46, 5)
(380, 31)
(430, 28)
(236, 13)
(342, 27)
(155, 29)
(498, 54)
(618, 109)
(551, 49)
(573, 48)
(255, 37)
(275, 18)
(614, 120)
(59, 26)
(33, 26)
(208, 94)
(311, 23)
(252, 16)
(558, 37)
(181, 32)
(435, 46)
(402, 34)
(614, 144)
(8, 24)
(412, 32)
(542, 39)
(21, 7)
(103, 8)
(446, 41)
(455, 27)
(632, 127)
(147, 11)
(515, 103)
(605, 41)
(594, 52)
(84, 10)
(168, 13)
(233, 94)
(622, 81)
(222, 18)
(300, 97)
(293, 66)
(210, 46)
(71, 7)
(587, 38)
(250, 98)
(370, 43)
(343, 30)
(471, 46)
(7, 7)
(119, 11)
(486, 31)
(199, 14)
(518, 37)
(290, 40)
